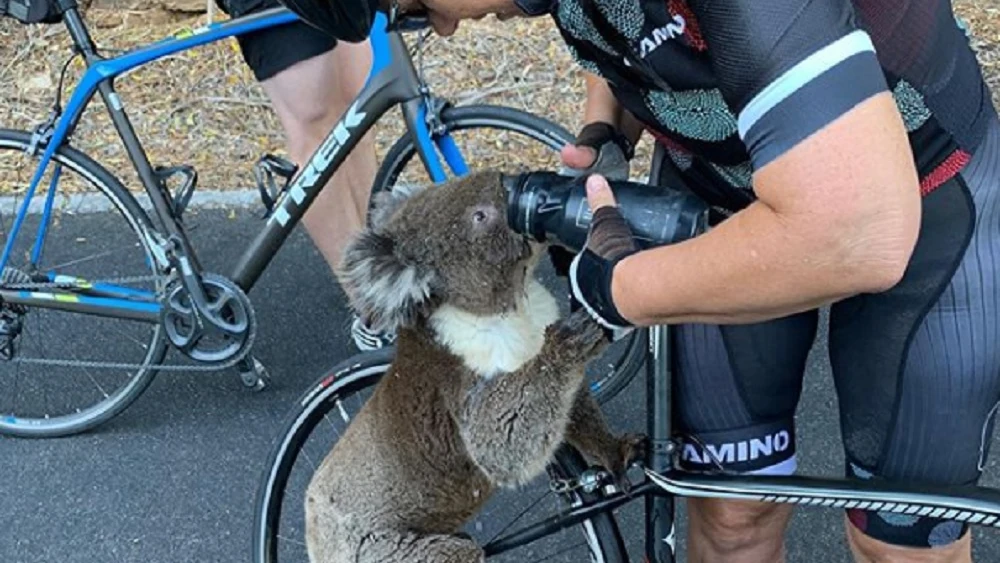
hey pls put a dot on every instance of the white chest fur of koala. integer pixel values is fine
(499, 343)
(486, 382)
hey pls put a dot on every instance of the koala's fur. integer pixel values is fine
(484, 387)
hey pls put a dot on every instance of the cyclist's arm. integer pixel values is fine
(839, 205)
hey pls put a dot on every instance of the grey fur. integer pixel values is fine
(438, 437)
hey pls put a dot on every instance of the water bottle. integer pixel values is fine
(547, 206)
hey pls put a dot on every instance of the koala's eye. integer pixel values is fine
(479, 216)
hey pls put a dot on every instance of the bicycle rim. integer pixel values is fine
(96, 231)
(518, 132)
(278, 533)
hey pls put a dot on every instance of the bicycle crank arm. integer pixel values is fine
(974, 505)
(89, 305)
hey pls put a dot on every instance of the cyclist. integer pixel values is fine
(310, 84)
(849, 150)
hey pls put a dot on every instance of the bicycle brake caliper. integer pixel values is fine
(43, 132)
(265, 170)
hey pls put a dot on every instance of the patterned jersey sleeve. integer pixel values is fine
(787, 67)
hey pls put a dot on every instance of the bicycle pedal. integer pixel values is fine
(181, 196)
(253, 374)
(267, 168)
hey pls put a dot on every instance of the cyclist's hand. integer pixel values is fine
(599, 149)
(609, 241)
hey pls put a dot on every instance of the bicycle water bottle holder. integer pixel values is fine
(182, 195)
(265, 171)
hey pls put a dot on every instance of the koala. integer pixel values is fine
(486, 384)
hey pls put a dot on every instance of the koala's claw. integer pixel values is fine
(580, 334)
(634, 447)
(631, 448)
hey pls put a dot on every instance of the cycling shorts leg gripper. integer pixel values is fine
(917, 368)
(736, 390)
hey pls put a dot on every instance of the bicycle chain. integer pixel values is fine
(93, 364)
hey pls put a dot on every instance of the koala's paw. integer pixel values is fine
(579, 336)
(631, 448)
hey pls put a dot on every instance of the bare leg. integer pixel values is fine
(309, 97)
(870, 550)
(736, 531)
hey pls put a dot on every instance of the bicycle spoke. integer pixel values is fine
(85, 259)
(522, 513)
(91, 376)
(563, 551)
(327, 418)
(290, 540)
(310, 459)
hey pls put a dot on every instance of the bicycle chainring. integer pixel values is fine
(223, 341)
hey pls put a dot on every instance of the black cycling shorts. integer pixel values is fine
(916, 368)
(270, 51)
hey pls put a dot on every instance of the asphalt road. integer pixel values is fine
(174, 477)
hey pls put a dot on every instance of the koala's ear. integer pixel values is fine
(384, 289)
(385, 203)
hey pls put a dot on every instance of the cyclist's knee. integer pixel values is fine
(311, 95)
(914, 530)
(731, 527)
(868, 548)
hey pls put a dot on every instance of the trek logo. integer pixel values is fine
(661, 35)
(745, 450)
(325, 154)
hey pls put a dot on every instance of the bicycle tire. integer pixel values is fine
(618, 374)
(123, 201)
(351, 376)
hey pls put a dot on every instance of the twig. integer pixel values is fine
(260, 102)
(465, 98)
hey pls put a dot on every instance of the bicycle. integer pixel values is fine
(587, 496)
(170, 302)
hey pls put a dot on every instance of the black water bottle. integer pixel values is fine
(546, 205)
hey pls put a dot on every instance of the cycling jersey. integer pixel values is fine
(729, 86)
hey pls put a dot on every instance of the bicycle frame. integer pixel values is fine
(392, 81)
(971, 504)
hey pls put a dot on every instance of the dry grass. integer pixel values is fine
(204, 108)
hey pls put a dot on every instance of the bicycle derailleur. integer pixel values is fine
(11, 315)
(212, 322)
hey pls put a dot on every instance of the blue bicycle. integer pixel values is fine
(86, 320)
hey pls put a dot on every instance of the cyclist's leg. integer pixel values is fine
(918, 367)
(737, 388)
(309, 97)
(311, 83)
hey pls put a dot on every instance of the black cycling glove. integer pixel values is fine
(609, 241)
(614, 152)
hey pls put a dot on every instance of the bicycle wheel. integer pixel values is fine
(317, 422)
(50, 384)
(487, 137)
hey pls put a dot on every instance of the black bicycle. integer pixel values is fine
(134, 288)
(572, 498)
